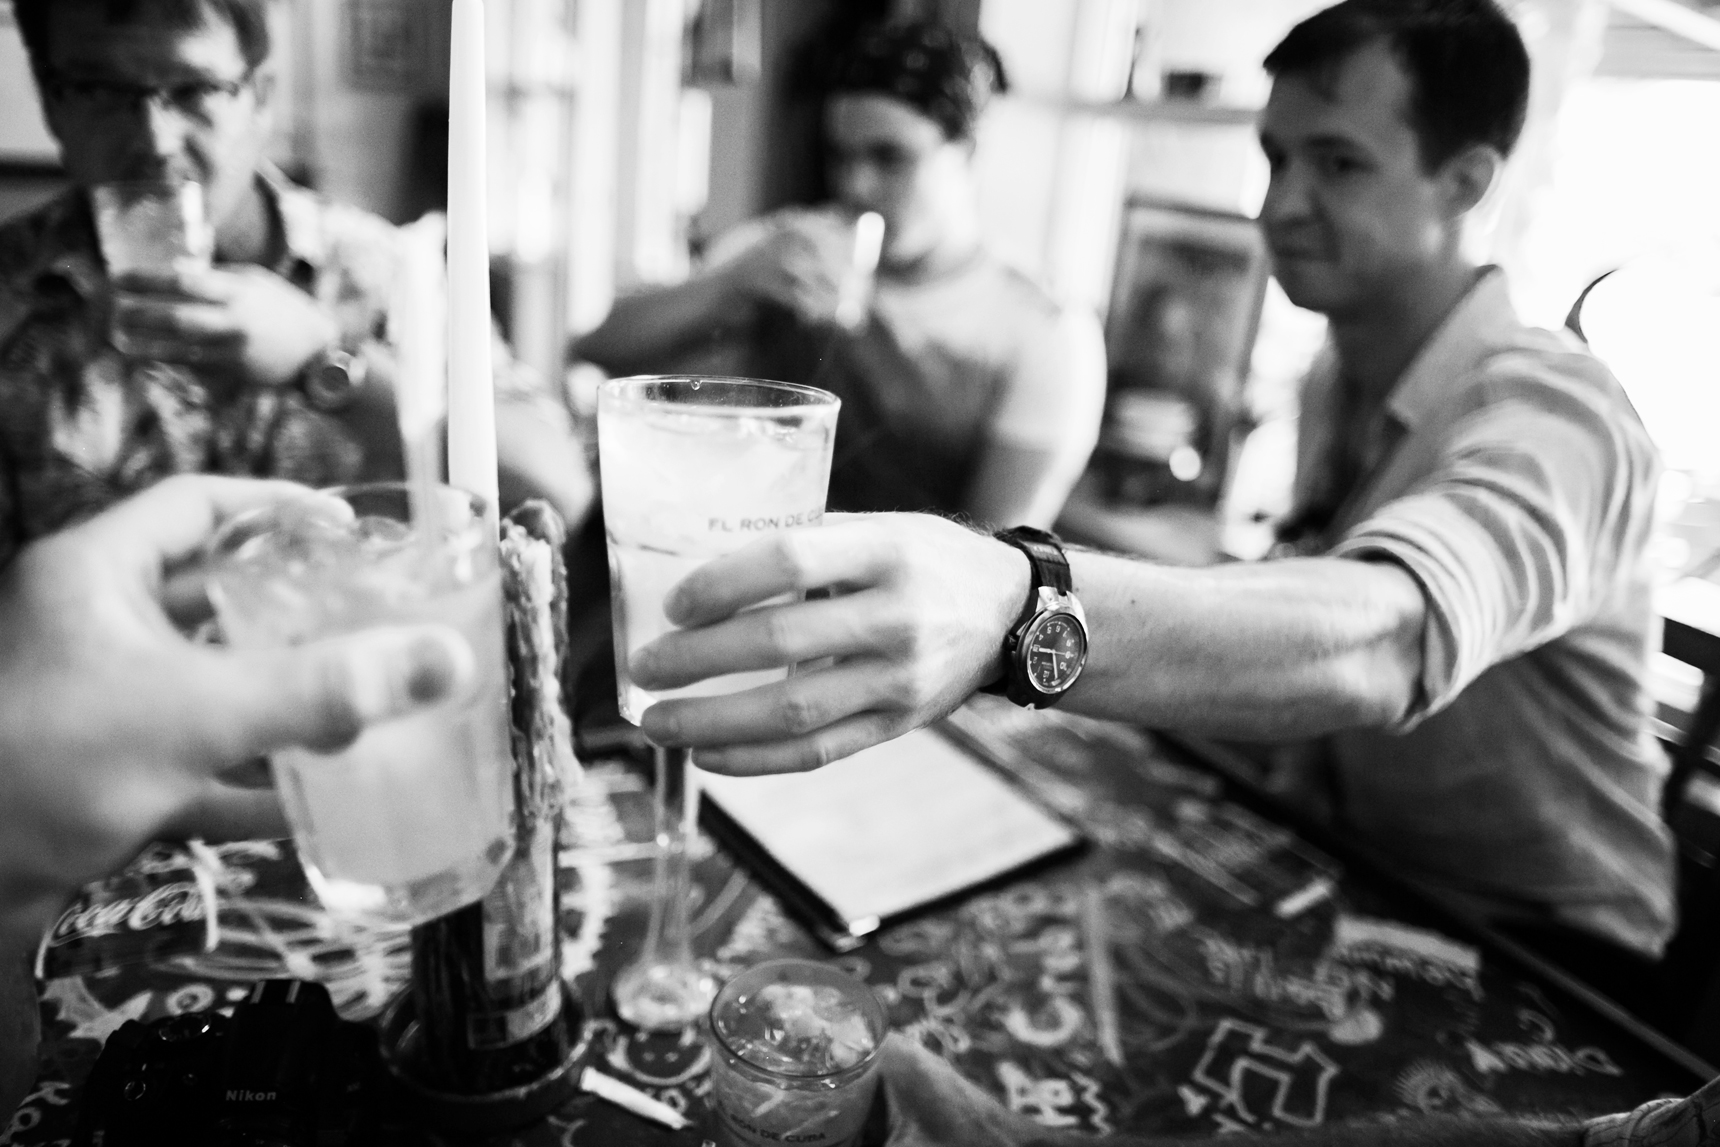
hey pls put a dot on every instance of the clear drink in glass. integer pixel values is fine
(694, 468)
(413, 819)
(794, 1055)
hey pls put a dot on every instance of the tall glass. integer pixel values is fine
(150, 226)
(413, 819)
(693, 468)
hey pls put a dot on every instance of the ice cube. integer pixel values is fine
(850, 1042)
(801, 1030)
(381, 535)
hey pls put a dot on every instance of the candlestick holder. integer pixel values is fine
(664, 989)
(489, 1038)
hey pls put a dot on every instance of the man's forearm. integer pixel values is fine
(644, 330)
(1275, 649)
(538, 457)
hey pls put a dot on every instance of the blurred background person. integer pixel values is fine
(965, 387)
(272, 362)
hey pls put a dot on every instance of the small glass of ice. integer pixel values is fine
(794, 1055)
(411, 820)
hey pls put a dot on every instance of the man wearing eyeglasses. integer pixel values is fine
(274, 362)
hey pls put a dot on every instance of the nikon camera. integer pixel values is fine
(282, 1070)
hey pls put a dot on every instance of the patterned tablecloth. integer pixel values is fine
(1243, 977)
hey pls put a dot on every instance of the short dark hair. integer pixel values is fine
(946, 74)
(1467, 67)
(249, 20)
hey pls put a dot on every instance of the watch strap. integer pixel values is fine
(1047, 567)
(1050, 565)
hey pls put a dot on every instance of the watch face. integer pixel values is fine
(1056, 649)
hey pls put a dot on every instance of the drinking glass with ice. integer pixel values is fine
(150, 226)
(794, 1055)
(411, 820)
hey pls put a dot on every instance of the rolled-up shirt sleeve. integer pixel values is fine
(1520, 531)
(1691, 1122)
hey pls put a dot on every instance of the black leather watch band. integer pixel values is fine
(1049, 567)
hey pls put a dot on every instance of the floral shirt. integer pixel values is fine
(81, 426)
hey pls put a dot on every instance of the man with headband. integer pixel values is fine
(964, 387)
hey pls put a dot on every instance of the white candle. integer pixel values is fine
(471, 388)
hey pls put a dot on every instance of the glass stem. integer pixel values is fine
(664, 990)
(669, 938)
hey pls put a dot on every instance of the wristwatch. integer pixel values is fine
(1046, 648)
(333, 378)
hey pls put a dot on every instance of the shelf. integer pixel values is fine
(1145, 111)
(23, 165)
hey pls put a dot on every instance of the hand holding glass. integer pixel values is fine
(412, 820)
(151, 227)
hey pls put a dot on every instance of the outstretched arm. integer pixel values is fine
(794, 259)
(646, 330)
(917, 620)
(1270, 650)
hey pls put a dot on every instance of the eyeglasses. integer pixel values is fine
(196, 99)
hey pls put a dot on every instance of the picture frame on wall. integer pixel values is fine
(386, 45)
(25, 145)
(723, 43)
(1185, 309)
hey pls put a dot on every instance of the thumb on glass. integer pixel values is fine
(323, 694)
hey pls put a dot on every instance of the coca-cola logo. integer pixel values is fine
(170, 904)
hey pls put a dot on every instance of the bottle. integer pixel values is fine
(486, 978)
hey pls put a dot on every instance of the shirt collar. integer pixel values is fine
(1482, 321)
(66, 250)
(48, 259)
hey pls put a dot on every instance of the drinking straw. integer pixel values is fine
(868, 242)
(1101, 974)
(471, 389)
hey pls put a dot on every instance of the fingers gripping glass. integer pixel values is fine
(199, 98)
(413, 819)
